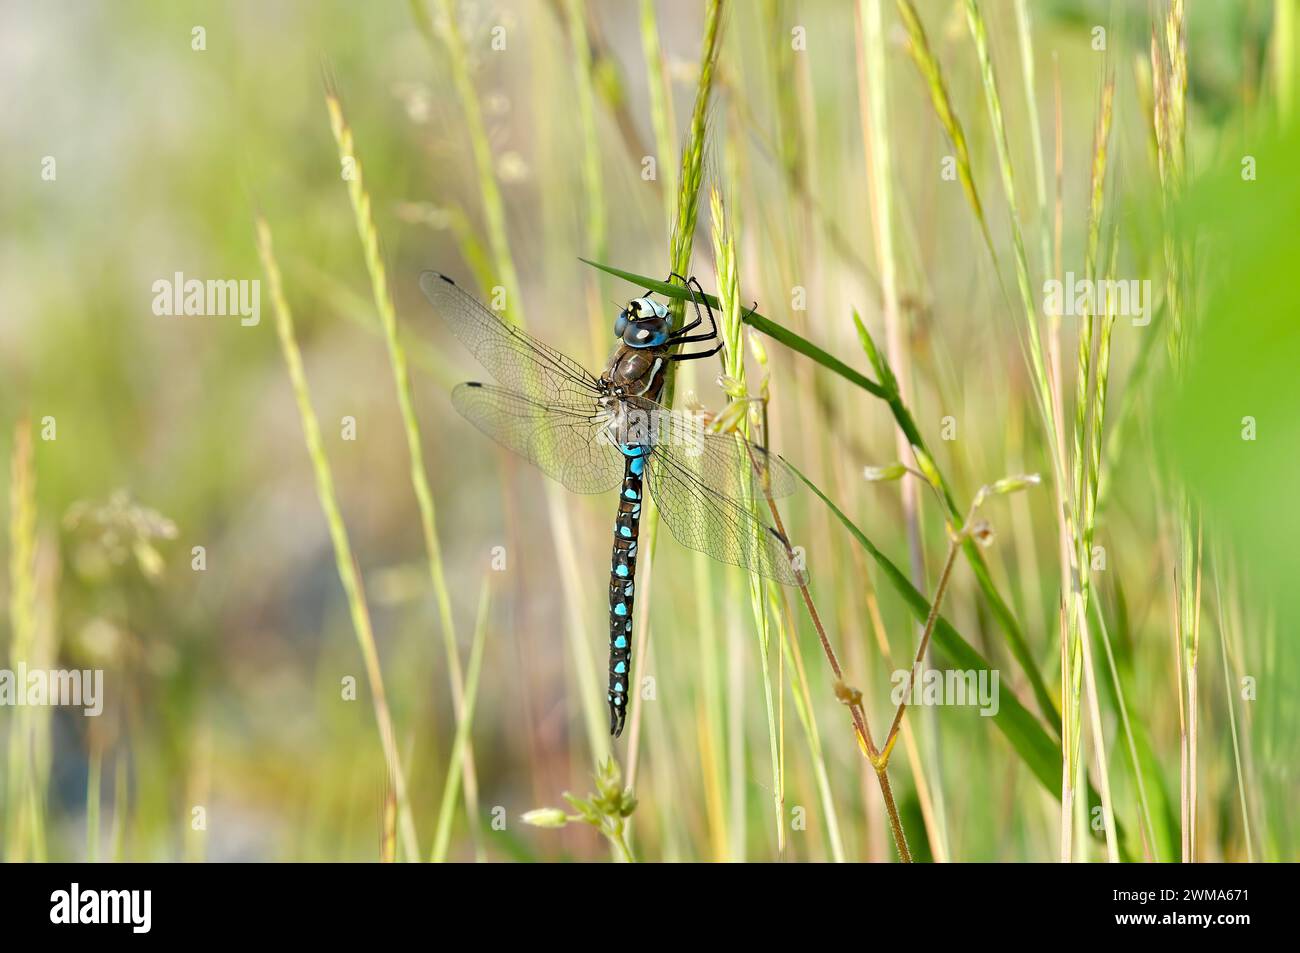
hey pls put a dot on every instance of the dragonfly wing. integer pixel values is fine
(565, 441)
(515, 358)
(729, 529)
(725, 463)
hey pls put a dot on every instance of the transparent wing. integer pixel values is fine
(732, 529)
(515, 358)
(567, 442)
(725, 463)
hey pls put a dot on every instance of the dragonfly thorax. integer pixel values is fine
(634, 372)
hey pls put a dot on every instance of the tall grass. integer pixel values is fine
(727, 272)
(369, 235)
(892, 293)
(1169, 82)
(345, 562)
(24, 796)
(446, 37)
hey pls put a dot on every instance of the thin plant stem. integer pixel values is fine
(344, 560)
(854, 701)
(465, 719)
(1232, 717)
(940, 588)
(445, 34)
(369, 235)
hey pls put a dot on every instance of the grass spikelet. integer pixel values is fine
(370, 244)
(692, 166)
(592, 185)
(979, 34)
(1025, 34)
(493, 207)
(343, 558)
(733, 367)
(918, 48)
(660, 91)
(1089, 411)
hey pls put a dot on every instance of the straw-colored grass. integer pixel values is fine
(345, 562)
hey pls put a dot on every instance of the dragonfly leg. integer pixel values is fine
(697, 356)
(681, 336)
(668, 280)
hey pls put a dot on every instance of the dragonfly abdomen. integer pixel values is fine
(622, 577)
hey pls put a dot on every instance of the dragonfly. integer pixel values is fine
(594, 433)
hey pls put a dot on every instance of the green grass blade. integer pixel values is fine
(1035, 747)
(349, 573)
(1041, 754)
(755, 320)
(465, 720)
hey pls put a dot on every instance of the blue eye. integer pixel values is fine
(650, 332)
(620, 324)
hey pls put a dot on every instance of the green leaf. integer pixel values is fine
(755, 320)
(1039, 752)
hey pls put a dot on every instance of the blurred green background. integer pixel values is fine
(223, 686)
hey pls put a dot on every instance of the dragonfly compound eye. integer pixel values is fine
(650, 332)
(620, 323)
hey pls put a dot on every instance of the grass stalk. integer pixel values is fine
(21, 822)
(873, 101)
(918, 48)
(446, 35)
(733, 366)
(660, 91)
(349, 575)
(1024, 33)
(927, 631)
(1169, 98)
(801, 692)
(1231, 705)
(1148, 828)
(493, 207)
(993, 99)
(852, 698)
(464, 722)
(368, 233)
(692, 170)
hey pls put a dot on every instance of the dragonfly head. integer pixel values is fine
(643, 323)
